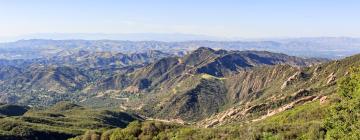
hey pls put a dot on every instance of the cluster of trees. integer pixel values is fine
(135, 130)
(150, 130)
(343, 121)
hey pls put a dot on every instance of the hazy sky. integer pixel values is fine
(224, 18)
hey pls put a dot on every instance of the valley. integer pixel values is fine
(162, 95)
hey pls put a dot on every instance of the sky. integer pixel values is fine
(221, 18)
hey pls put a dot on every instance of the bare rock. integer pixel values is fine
(215, 122)
(286, 107)
(132, 89)
(331, 78)
(298, 75)
(301, 93)
(323, 100)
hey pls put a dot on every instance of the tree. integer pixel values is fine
(131, 132)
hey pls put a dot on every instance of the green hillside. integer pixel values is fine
(61, 121)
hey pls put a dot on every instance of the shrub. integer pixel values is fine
(343, 121)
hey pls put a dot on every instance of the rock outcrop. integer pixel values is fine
(297, 76)
(331, 78)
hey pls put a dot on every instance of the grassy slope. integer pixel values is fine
(62, 121)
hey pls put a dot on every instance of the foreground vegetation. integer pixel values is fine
(304, 122)
(343, 118)
(62, 121)
(337, 118)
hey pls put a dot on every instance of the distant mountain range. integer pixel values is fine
(332, 48)
(167, 37)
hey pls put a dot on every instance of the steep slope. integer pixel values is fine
(50, 78)
(168, 71)
(247, 95)
(184, 86)
(265, 92)
(7, 72)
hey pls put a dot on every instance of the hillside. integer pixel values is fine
(203, 92)
(45, 81)
(180, 86)
(80, 75)
(61, 121)
(208, 61)
(311, 113)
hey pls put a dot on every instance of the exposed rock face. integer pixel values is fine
(234, 114)
(323, 99)
(286, 107)
(297, 76)
(331, 78)
(255, 108)
(249, 84)
(132, 89)
(269, 100)
(302, 93)
(222, 117)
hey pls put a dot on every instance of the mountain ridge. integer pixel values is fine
(332, 48)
